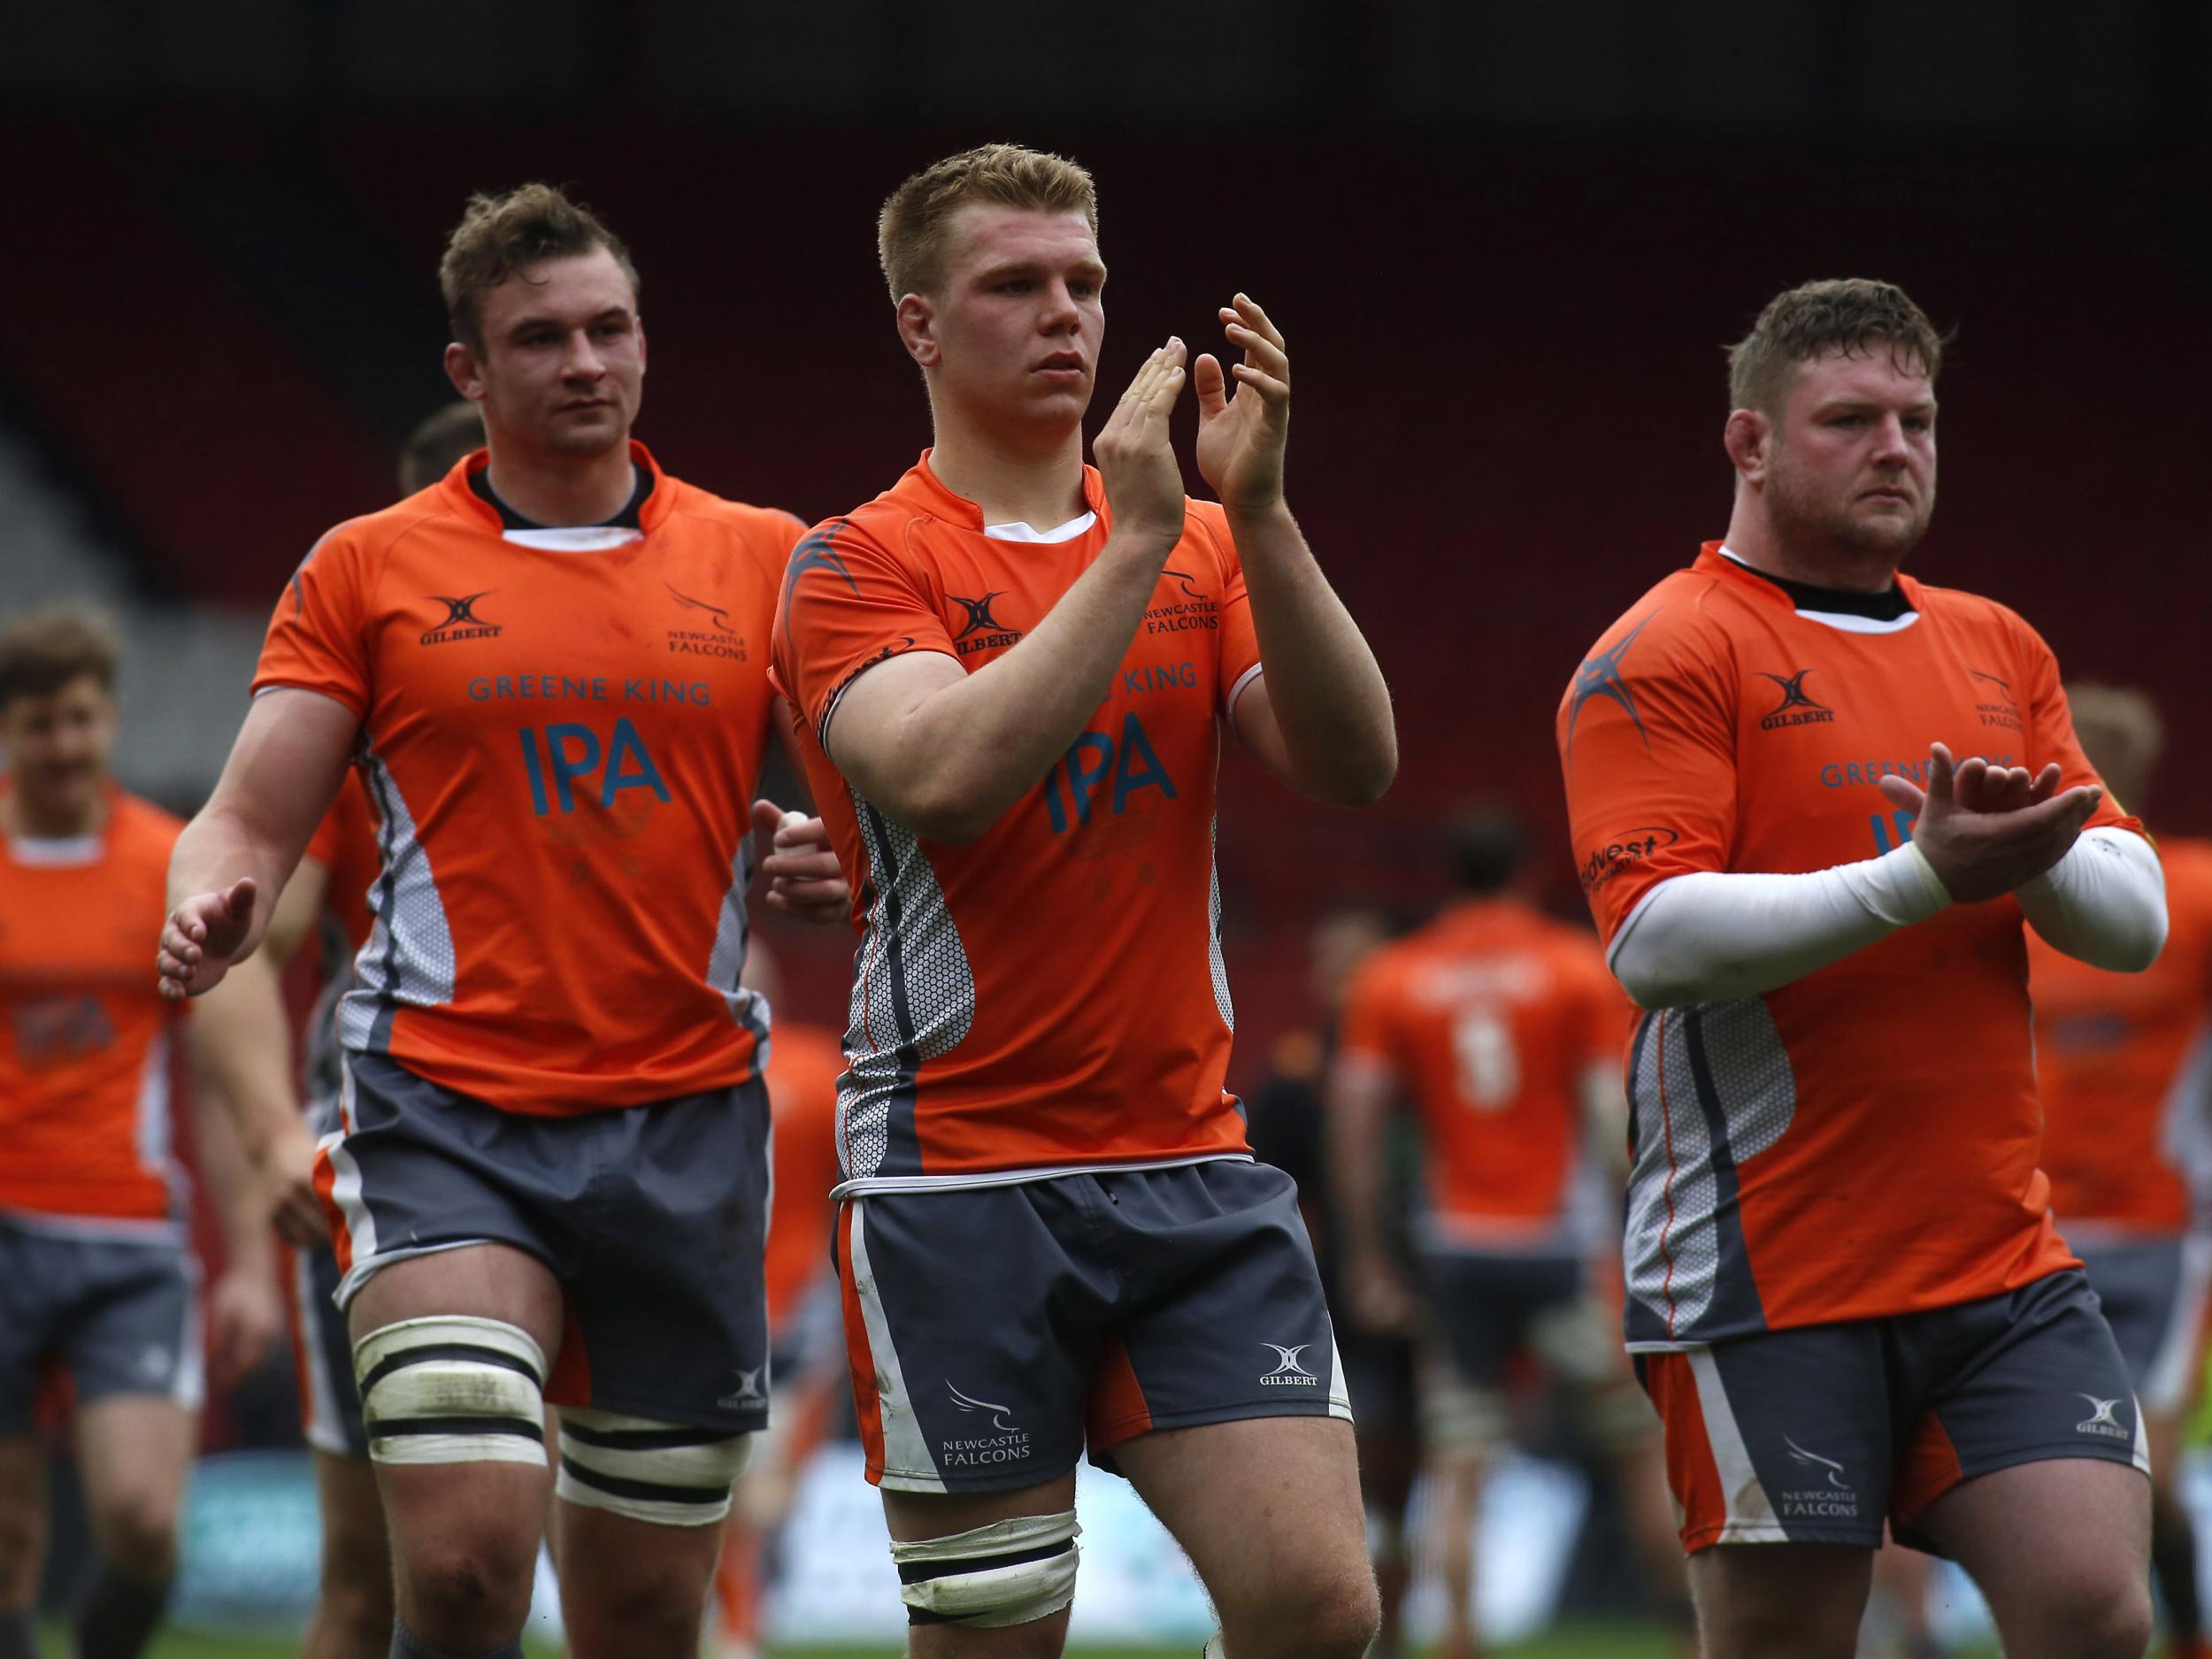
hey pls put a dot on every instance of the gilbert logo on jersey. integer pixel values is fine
(982, 631)
(1795, 709)
(461, 621)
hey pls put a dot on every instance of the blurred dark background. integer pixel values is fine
(1506, 241)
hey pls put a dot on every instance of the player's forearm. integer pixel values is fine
(970, 750)
(240, 1202)
(1713, 937)
(241, 1050)
(1326, 690)
(2104, 903)
(216, 849)
(1356, 1119)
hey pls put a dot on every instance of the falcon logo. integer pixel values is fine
(982, 631)
(1288, 1370)
(748, 1391)
(817, 552)
(1601, 677)
(719, 617)
(1795, 709)
(968, 1403)
(2002, 711)
(1814, 1460)
(461, 621)
(2100, 1420)
(1189, 590)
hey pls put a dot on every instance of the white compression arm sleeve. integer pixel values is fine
(1712, 937)
(2104, 903)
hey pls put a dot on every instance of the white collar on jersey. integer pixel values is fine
(54, 852)
(583, 538)
(1019, 532)
(1842, 621)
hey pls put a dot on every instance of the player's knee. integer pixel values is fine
(1008, 1574)
(356, 1590)
(2095, 1617)
(136, 1528)
(22, 1542)
(1325, 1614)
(659, 1612)
(469, 1584)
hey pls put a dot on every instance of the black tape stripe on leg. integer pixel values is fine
(922, 1571)
(428, 1351)
(395, 1428)
(648, 1491)
(641, 1440)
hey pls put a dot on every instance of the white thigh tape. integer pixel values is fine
(661, 1472)
(453, 1389)
(1010, 1572)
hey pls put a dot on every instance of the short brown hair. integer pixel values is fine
(42, 651)
(2118, 725)
(910, 230)
(502, 235)
(1842, 313)
(442, 439)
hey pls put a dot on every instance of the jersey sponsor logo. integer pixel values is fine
(1288, 1372)
(557, 757)
(54, 1031)
(982, 631)
(1833, 1499)
(1999, 708)
(1192, 612)
(1601, 677)
(2100, 1422)
(1620, 854)
(1007, 1443)
(719, 639)
(1094, 760)
(1160, 677)
(1796, 707)
(461, 621)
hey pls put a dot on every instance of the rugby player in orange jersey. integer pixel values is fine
(2126, 1064)
(1011, 674)
(96, 1275)
(1498, 1030)
(1844, 1290)
(549, 1178)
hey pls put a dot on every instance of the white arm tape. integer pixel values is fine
(1712, 937)
(2104, 903)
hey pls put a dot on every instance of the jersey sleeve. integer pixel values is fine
(2050, 732)
(1367, 1044)
(1646, 740)
(848, 605)
(317, 639)
(1240, 643)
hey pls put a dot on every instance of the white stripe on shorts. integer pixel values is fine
(2167, 1382)
(345, 1183)
(1748, 1516)
(1339, 1391)
(191, 1390)
(907, 1465)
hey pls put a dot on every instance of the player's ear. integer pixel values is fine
(1747, 437)
(462, 370)
(918, 329)
(640, 326)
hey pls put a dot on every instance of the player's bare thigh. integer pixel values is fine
(912, 1515)
(22, 1520)
(1754, 1601)
(1268, 1510)
(133, 1452)
(2062, 1550)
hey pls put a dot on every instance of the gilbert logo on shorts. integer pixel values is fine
(1288, 1373)
(2100, 1420)
(1833, 1498)
(1008, 1442)
(748, 1391)
(461, 621)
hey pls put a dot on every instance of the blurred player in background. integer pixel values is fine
(1501, 1032)
(1012, 673)
(96, 1274)
(438, 444)
(805, 1346)
(550, 1180)
(1844, 1288)
(1288, 1126)
(2125, 1063)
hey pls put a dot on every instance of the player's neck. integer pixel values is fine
(562, 491)
(26, 817)
(1844, 569)
(1040, 486)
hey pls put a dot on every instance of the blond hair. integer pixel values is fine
(1846, 314)
(501, 236)
(911, 231)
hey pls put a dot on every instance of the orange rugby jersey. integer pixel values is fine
(560, 733)
(803, 1070)
(1864, 1142)
(2125, 1061)
(85, 1037)
(1486, 1023)
(1052, 995)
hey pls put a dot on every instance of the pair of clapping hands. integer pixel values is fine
(1987, 831)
